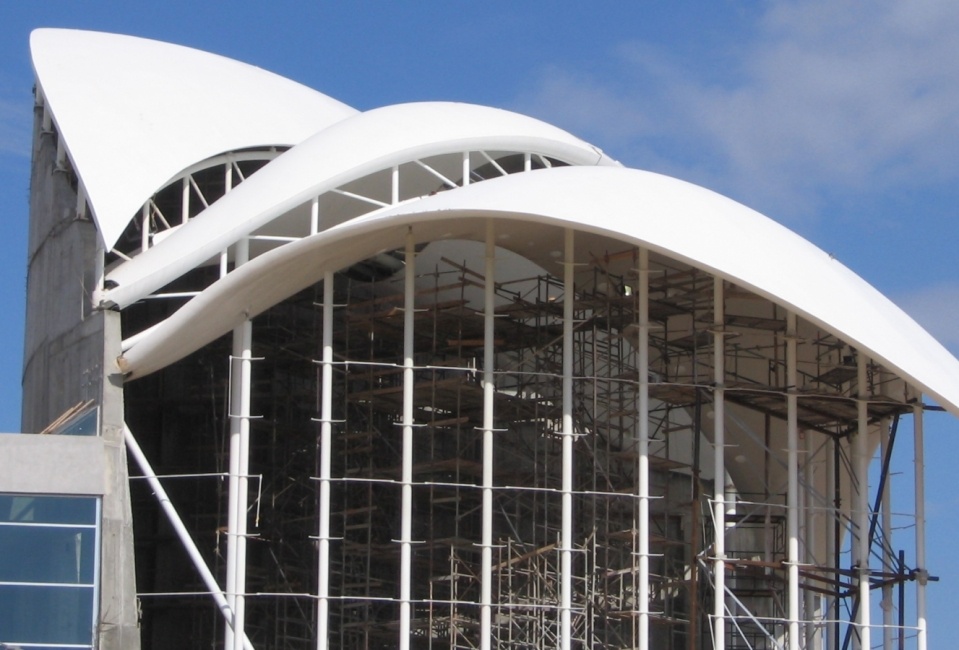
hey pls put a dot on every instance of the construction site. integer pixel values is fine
(436, 376)
(189, 427)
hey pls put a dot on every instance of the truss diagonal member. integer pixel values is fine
(182, 533)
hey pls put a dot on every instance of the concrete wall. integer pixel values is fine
(69, 357)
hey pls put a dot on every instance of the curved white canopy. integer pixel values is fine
(351, 149)
(132, 113)
(672, 217)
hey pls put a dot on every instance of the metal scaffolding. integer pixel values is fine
(622, 452)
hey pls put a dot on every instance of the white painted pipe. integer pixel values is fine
(245, 346)
(486, 568)
(239, 462)
(862, 505)
(181, 532)
(792, 492)
(326, 435)
(315, 215)
(813, 601)
(719, 464)
(406, 516)
(566, 549)
(642, 442)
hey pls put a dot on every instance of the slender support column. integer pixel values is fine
(406, 516)
(862, 502)
(888, 560)
(181, 532)
(813, 602)
(642, 444)
(326, 434)
(719, 481)
(486, 577)
(185, 200)
(466, 168)
(566, 542)
(240, 375)
(315, 215)
(831, 543)
(792, 491)
(395, 185)
(920, 489)
(145, 226)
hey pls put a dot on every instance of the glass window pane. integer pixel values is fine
(84, 424)
(49, 510)
(46, 614)
(42, 554)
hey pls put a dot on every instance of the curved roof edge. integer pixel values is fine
(669, 216)
(363, 144)
(139, 111)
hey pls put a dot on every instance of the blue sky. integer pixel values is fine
(839, 119)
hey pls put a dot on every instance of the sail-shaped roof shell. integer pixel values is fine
(132, 113)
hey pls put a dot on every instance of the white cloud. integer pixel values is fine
(827, 96)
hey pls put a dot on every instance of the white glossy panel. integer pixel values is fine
(133, 112)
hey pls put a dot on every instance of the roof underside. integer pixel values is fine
(100, 91)
(531, 211)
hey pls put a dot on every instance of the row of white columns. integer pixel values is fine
(239, 459)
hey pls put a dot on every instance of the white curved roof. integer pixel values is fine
(132, 113)
(672, 217)
(353, 148)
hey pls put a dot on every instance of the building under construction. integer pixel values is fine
(434, 376)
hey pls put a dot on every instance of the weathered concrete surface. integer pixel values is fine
(69, 357)
(53, 464)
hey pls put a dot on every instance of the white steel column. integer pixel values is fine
(326, 434)
(642, 444)
(566, 541)
(145, 227)
(486, 569)
(719, 464)
(920, 489)
(862, 501)
(813, 601)
(315, 215)
(240, 375)
(792, 492)
(406, 517)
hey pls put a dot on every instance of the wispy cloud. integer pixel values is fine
(828, 96)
